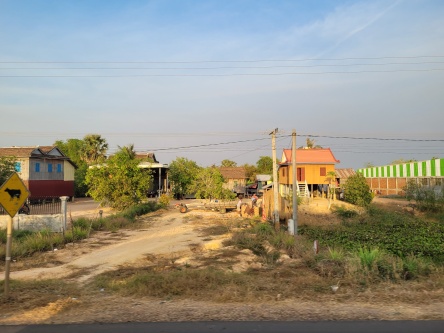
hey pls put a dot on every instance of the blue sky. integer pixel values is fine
(216, 77)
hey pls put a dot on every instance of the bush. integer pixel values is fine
(164, 200)
(357, 192)
(427, 199)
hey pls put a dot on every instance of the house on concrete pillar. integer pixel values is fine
(313, 167)
(158, 171)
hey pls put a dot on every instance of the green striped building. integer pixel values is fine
(430, 168)
(392, 179)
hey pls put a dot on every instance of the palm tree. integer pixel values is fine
(128, 151)
(94, 149)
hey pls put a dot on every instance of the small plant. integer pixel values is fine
(336, 254)
(164, 200)
(414, 267)
(368, 257)
(345, 213)
(263, 229)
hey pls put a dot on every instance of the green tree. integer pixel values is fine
(94, 149)
(73, 148)
(264, 165)
(208, 184)
(182, 174)
(357, 191)
(119, 181)
(250, 172)
(128, 151)
(228, 163)
(7, 167)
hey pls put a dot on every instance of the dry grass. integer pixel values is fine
(232, 275)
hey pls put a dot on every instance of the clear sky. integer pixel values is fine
(209, 80)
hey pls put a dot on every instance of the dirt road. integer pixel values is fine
(165, 234)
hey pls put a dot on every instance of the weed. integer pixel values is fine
(345, 213)
(336, 254)
(368, 257)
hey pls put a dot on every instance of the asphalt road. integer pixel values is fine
(240, 327)
(82, 204)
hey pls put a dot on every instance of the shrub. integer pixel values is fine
(164, 200)
(357, 191)
(427, 199)
(368, 257)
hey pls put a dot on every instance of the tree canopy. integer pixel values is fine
(7, 167)
(208, 184)
(228, 163)
(119, 181)
(265, 165)
(94, 149)
(182, 174)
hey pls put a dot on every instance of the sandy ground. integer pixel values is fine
(170, 233)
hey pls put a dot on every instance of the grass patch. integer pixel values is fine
(395, 233)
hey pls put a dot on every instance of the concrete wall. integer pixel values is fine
(53, 222)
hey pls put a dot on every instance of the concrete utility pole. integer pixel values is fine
(275, 181)
(295, 192)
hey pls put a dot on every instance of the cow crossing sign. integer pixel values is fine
(13, 194)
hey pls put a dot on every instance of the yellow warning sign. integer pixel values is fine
(13, 194)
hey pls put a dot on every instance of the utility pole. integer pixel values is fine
(295, 192)
(275, 181)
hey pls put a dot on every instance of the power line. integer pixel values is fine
(221, 61)
(224, 75)
(222, 67)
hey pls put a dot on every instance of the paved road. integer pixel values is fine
(82, 204)
(240, 327)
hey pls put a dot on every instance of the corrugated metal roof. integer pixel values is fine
(310, 156)
(344, 173)
(233, 172)
(18, 151)
(149, 156)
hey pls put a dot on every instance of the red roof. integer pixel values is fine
(310, 156)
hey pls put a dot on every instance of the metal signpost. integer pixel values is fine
(13, 194)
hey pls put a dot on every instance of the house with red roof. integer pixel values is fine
(313, 167)
(44, 170)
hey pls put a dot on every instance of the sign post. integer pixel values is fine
(13, 194)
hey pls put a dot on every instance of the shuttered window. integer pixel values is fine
(323, 171)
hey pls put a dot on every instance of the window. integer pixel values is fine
(49, 167)
(323, 171)
(37, 167)
(59, 168)
(18, 166)
(283, 172)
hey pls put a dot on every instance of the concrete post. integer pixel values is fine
(64, 211)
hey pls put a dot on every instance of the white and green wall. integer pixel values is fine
(430, 168)
(391, 179)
